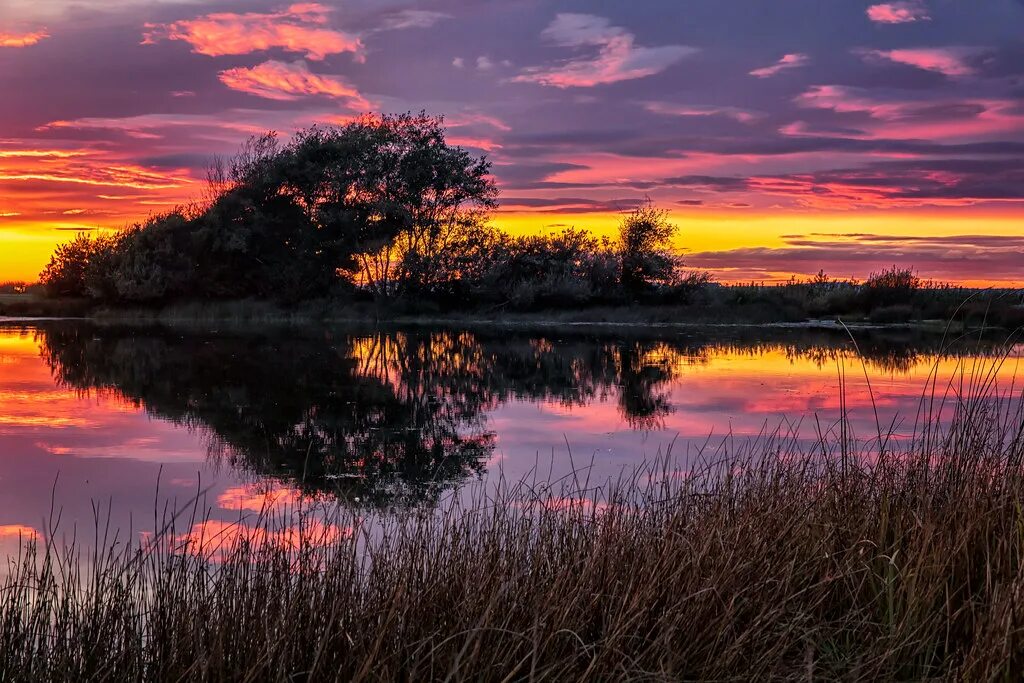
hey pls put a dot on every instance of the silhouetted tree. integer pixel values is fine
(76, 264)
(291, 221)
(645, 238)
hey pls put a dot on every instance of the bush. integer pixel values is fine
(645, 238)
(556, 291)
(1010, 317)
(892, 286)
(288, 222)
(64, 275)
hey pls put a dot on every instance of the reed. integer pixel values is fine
(864, 559)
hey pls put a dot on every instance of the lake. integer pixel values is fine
(125, 421)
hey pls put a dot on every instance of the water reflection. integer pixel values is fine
(398, 417)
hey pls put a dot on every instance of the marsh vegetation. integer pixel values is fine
(861, 560)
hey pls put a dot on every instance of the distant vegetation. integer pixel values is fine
(384, 210)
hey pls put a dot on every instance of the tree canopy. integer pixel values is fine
(382, 206)
(292, 220)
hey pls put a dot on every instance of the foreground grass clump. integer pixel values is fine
(790, 563)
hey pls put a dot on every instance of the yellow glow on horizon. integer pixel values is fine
(713, 231)
(25, 252)
(709, 231)
(25, 248)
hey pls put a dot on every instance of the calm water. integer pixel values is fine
(99, 415)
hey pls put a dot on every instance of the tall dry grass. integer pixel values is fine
(832, 560)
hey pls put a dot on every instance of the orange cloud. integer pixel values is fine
(47, 194)
(38, 154)
(282, 81)
(128, 175)
(23, 39)
(301, 28)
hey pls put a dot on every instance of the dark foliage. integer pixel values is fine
(383, 206)
(383, 209)
(290, 221)
(645, 238)
(891, 287)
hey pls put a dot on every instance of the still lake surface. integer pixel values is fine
(135, 418)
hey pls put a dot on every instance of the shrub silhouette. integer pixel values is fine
(891, 287)
(290, 221)
(645, 238)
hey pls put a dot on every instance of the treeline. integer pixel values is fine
(381, 208)
(385, 209)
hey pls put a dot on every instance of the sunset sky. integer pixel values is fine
(784, 136)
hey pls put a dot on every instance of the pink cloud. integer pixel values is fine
(837, 98)
(618, 58)
(949, 61)
(300, 28)
(22, 39)
(926, 120)
(476, 118)
(260, 499)
(788, 61)
(282, 81)
(959, 258)
(671, 109)
(17, 531)
(486, 144)
(898, 12)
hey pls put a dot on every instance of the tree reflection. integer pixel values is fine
(389, 418)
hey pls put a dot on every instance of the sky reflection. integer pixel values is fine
(93, 416)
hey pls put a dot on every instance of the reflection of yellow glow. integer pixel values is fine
(42, 421)
(15, 343)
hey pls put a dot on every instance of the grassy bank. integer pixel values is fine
(777, 562)
(712, 304)
(35, 305)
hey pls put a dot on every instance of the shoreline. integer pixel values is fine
(653, 316)
(537, 324)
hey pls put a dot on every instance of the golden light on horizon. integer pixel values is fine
(28, 245)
